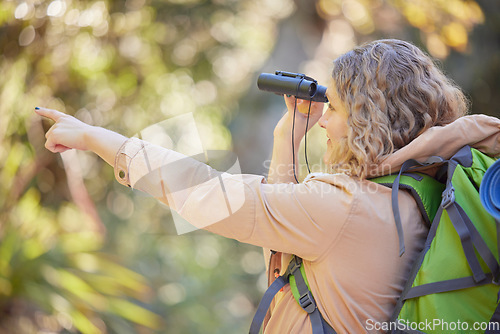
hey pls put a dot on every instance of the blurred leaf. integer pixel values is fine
(83, 324)
(135, 313)
(80, 242)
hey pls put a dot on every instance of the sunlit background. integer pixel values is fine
(81, 253)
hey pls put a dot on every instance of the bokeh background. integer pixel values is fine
(81, 254)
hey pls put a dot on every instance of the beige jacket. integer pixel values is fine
(343, 228)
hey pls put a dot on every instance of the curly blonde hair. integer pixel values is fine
(393, 92)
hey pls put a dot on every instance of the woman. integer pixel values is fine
(388, 103)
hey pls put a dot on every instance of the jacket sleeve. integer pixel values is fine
(302, 219)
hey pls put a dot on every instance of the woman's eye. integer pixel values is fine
(330, 106)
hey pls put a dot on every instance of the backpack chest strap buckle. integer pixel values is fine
(294, 265)
(448, 197)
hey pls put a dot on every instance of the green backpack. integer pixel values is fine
(453, 286)
(454, 283)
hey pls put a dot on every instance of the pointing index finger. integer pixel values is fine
(49, 113)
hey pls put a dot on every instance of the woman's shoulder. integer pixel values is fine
(346, 182)
(331, 178)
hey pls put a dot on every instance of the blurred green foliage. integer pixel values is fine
(124, 65)
(79, 252)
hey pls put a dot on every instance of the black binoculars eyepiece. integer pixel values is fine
(296, 84)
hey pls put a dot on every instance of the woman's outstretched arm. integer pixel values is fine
(70, 133)
(236, 206)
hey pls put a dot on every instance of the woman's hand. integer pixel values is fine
(284, 126)
(68, 133)
(303, 107)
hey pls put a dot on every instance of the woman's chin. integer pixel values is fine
(326, 159)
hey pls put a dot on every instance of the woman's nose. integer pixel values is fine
(322, 121)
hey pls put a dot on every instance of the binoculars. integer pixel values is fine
(296, 84)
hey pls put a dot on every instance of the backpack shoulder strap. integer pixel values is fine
(296, 277)
(425, 190)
